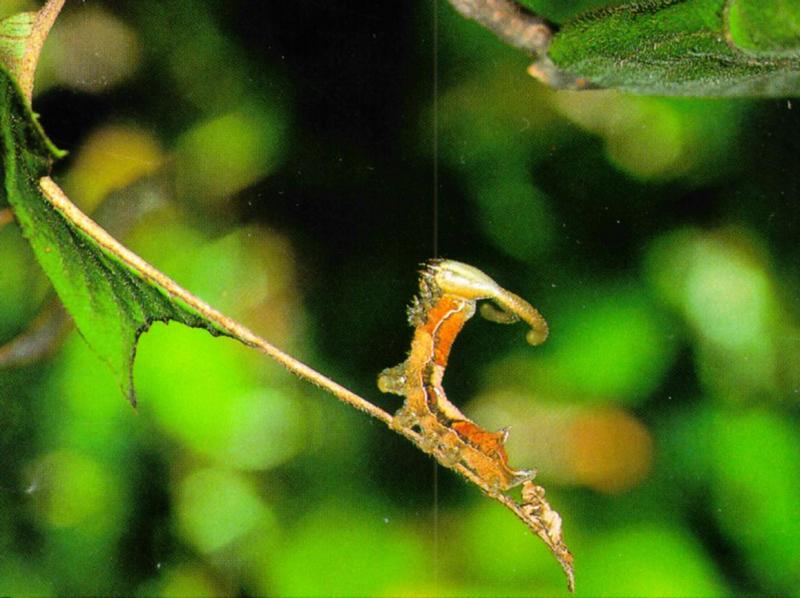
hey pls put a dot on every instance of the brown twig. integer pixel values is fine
(509, 21)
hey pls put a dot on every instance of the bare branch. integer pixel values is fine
(511, 22)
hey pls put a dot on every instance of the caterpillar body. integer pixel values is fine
(449, 292)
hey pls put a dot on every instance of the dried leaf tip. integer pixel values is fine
(546, 523)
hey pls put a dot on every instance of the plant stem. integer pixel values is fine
(63, 204)
(511, 22)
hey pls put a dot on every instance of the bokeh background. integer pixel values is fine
(292, 163)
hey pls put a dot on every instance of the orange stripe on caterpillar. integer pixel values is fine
(444, 322)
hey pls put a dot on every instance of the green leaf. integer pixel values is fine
(683, 47)
(111, 299)
(765, 28)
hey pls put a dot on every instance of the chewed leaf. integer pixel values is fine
(680, 47)
(111, 300)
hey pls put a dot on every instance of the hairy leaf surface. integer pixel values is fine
(685, 47)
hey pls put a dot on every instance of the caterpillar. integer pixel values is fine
(448, 296)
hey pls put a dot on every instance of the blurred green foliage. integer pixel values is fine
(658, 237)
